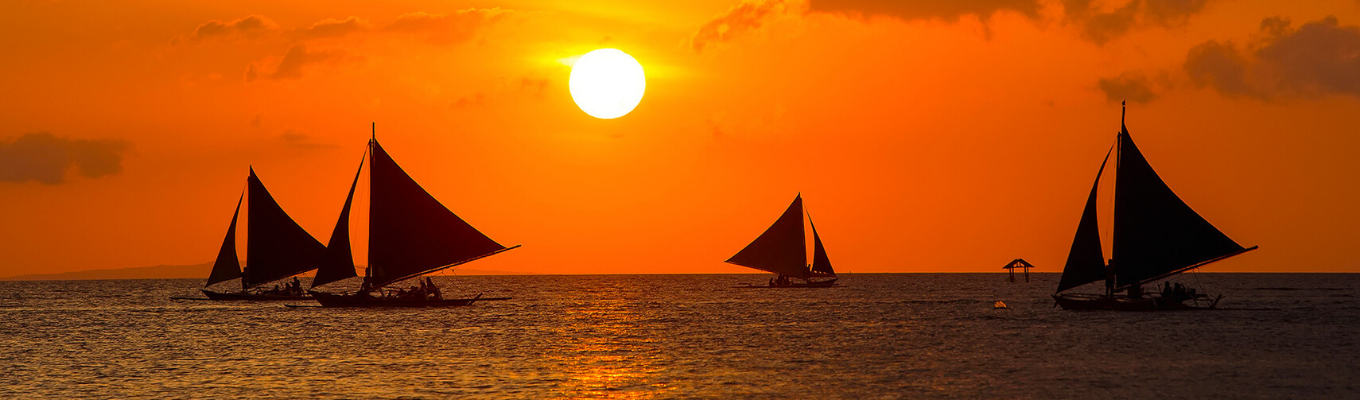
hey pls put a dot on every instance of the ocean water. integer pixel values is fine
(686, 336)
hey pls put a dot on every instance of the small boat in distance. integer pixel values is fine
(276, 248)
(410, 234)
(1156, 236)
(782, 249)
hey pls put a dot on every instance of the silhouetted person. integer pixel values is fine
(433, 290)
(1109, 278)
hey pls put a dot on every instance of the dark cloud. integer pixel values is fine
(252, 25)
(1131, 86)
(1101, 27)
(1318, 58)
(457, 27)
(48, 159)
(296, 60)
(740, 18)
(928, 9)
(336, 28)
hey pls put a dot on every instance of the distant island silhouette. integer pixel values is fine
(195, 271)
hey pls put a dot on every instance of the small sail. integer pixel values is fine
(1086, 260)
(338, 261)
(227, 266)
(276, 247)
(821, 264)
(410, 232)
(782, 249)
(1155, 232)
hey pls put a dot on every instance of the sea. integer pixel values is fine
(876, 336)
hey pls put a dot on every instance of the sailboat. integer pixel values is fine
(782, 249)
(1156, 236)
(410, 234)
(276, 248)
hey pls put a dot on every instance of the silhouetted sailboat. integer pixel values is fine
(782, 249)
(410, 234)
(276, 248)
(1156, 236)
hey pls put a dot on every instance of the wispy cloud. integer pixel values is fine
(297, 60)
(1103, 26)
(249, 26)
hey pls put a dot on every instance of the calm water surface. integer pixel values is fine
(686, 336)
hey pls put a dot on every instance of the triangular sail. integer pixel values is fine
(227, 266)
(782, 249)
(338, 261)
(410, 232)
(1086, 260)
(276, 247)
(1155, 232)
(821, 264)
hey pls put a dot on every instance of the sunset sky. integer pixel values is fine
(924, 136)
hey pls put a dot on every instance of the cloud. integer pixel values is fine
(298, 140)
(1131, 86)
(928, 9)
(1102, 27)
(743, 17)
(253, 25)
(46, 158)
(296, 60)
(457, 27)
(1318, 58)
(336, 28)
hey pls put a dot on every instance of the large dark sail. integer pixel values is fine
(227, 266)
(821, 264)
(276, 247)
(410, 232)
(1155, 233)
(782, 249)
(338, 261)
(1086, 260)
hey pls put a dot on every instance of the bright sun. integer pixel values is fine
(607, 83)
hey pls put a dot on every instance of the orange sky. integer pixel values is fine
(937, 136)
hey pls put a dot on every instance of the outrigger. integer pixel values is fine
(1156, 236)
(276, 248)
(782, 249)
(410, 234)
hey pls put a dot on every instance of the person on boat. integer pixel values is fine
(432, 289)
(297, 286)
(1109, 278)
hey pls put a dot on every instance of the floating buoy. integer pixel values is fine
(999, 305)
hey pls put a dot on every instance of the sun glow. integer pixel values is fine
(607, 83)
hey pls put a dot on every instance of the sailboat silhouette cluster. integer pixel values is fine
(1156, 236)
(410, 234)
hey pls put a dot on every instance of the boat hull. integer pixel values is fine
(1085, 302)
(252, 296)
(350, 300)
(808, 285)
